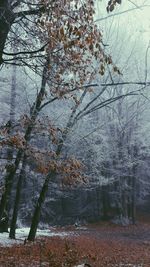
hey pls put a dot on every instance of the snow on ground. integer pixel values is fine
(22, 234)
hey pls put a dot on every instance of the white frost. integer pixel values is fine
(22, 234)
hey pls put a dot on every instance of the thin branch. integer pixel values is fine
(25, 52)
(103, 104)
(122, 12)
(16, 4)
(91, 102)
(48, 102)
(29, 12)
(96, 85)
(122, 83)
(146, 61)
(134, 4)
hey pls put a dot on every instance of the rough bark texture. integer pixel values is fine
(6, 20)
(8, 183)
(17, 199)
(36, 215)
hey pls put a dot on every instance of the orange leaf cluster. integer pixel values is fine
(74, 41)
(16, 141)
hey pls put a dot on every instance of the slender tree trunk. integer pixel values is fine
(12, 121)
(17, 199)
(22, 172)
(37, 211)
(124, 204)
(8, 182)
(42, 196)
(6, 20)
(120, 207)
(105, 202)
(133, 182)
(13, 94)
(133, 205)
(34, 113)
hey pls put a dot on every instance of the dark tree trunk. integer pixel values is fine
(11, 173)
(124, 199)
(105, 202)
(11, 122)
(41, 199)
(134, 187)
(50, 176)
(133, 204)
(17, 199)
(8, 183)
(4, 223)
(7, 18)
(27, 137)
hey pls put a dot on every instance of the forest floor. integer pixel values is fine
(99, 245)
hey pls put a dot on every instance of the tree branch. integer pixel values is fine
(97, 85)
(48, 102)
(103, 104)
(17, 3)
(26, 52)
(122, 12)
(29, 12)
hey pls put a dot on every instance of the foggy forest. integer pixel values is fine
(75, 133)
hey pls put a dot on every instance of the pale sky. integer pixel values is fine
(138, 19)
(126, 31)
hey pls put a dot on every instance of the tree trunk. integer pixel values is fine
(133, 205)
(10, 150)
(7, 18)
(13, 93)
(17, 199)
(133, 193)
(11, 173)
(36, 215)
(22, 172)
(8, 183)
(105, 202)
(124, 205)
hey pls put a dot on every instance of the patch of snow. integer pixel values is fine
(22, 234)
(6, 242)
(81, 228)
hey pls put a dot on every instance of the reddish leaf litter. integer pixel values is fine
(98, 245)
